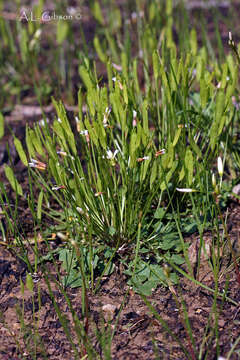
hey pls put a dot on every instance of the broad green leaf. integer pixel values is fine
(125, 93)
(170, 156)
(36, 142)
(159, 213)
(29, 282)
(29, 143)
(20, 151)
(220, 105)
(39, 205)
(169, 175)
(133, 143)
(231, 65)
(193, 42)
(199, 68)
(91, 102)
(13, 181)
(83, 72)
(189, 165)
(101, 54)
(182, 174)
(194, 146)
(177, 135)
(224, 75)
(97, 13)
(62, 31)
(101, 135)
(115, 105)
(58, 130)
(222, 122)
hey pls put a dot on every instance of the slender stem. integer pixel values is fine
(228, 240)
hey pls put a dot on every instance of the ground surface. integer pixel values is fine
(136, 327)
(137, 332)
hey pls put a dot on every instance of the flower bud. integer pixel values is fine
(220, 166)
(214, 180)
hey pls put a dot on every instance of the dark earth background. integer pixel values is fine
(137, 331)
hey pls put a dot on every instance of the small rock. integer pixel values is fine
(236, 189)
(109, 311)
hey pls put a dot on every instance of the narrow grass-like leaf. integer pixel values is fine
(1, 125)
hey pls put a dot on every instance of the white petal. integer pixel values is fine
(185, 190)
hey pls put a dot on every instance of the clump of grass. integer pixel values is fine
(139, 155)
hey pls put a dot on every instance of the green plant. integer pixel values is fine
(132, 176)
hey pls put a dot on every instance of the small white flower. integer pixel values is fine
(220, 166)
(84, 132)
(43, 122)
(37, 164)
(143, 158)
(38, 33)
(187, 190)
(117, 67)
(160, 152)
(106, 115)
(80, 210)
(61, 152)
(77, 124)
(35, 38)
(111, 155)
(58, 187)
